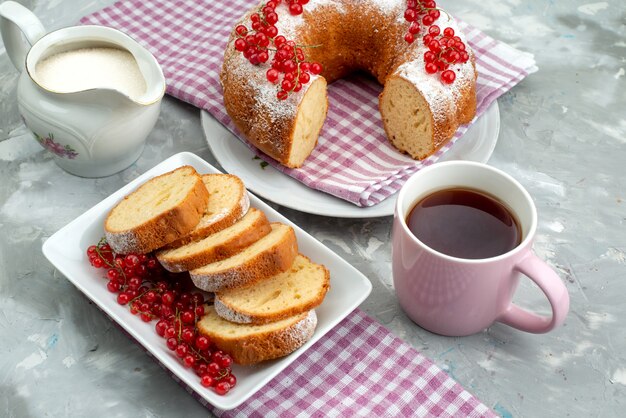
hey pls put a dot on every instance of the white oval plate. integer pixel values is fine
(235, 157)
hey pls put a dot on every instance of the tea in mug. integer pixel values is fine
(464, 223)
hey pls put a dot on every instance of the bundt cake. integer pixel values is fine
(420, 112)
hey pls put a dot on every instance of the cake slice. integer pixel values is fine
(228, 202)
(299, 289)
(160, 211)
(218, 246)
(272, 254)
(250, 344)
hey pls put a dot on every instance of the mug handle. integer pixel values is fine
(552, 286)
(15, 21)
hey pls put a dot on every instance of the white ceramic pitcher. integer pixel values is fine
(94, 132)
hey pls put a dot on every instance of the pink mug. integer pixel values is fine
(454, 296)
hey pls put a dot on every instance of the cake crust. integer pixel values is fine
(163, 227)
(254, 344)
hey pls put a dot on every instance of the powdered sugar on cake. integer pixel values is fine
(230, 315)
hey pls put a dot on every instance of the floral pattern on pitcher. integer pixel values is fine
(56, 148)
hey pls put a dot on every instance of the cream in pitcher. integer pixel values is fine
(88, 68)
(90, 94)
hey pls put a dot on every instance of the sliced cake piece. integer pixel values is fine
(218, 246)
(250, 344)
(272, 254)
(299, 289)
(160, 211)
(228, 202)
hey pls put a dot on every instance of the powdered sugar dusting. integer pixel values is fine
(122, 242)
(390, 6)
(303, 330)
(229, 314)
(206, 221)
(221, 280)
(244, 203)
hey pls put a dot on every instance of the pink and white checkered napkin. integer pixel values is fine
(353, 159)
(360, 369)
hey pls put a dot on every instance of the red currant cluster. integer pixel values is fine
(444, 49)
(154, 293)
(424, 11)
(289, 61)
(257, 42)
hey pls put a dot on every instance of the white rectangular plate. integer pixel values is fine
(66, 250)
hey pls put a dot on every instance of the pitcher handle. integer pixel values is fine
(16, 20)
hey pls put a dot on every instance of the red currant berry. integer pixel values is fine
(431, 68)
(434, 14)
(113, 286)
(202, 343)
(160, 327)
(187, 336)
(241, 30)
(225, 361)
(270, 31)
(231, 379)
(272, 75)
(434, 30)
(428, 20)
(131, 260)
(287, 85)
(207, 381)
(295, 9)
(91, 250)
(150, 296)
(449, 32)
(189, 360)
(279, 40)
(213, 369)
(182, 350)
(200, 367)
(448, 76)
(263, 56)
(141, 270)
(113, 274)
(409, 37)
(199, 311)
(414, 28)
(434, 46)
(167, 298)
(97, 262)
(172, 343)
(271, 18)
(222, 388)
(170, 332)
(282, 95)
(410, 15)
(316, 68)
(123, 298)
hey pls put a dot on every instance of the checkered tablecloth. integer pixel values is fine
(353, 159)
